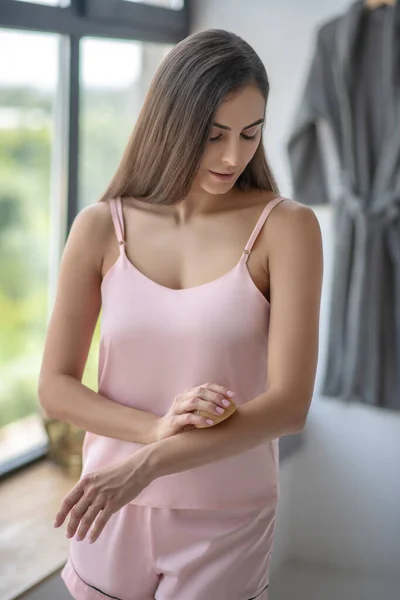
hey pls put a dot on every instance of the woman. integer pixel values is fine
(203, 297)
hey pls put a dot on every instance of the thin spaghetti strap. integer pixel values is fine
(118, 221)
(264, 215)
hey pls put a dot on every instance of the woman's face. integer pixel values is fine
(234, 138)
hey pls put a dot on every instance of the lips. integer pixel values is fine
(223, 177)
(220, 173)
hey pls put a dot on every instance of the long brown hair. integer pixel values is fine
(166, 146)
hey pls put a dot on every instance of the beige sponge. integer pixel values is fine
(216, 417)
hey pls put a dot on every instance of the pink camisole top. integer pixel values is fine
(157, 342)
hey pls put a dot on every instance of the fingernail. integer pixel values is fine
(226, 402)
(210, 422)
(231, 394)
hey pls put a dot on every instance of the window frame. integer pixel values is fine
(111, 19)
(143, 15)
(100, 18)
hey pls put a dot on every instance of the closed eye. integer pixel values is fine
(245, 137)
(248, 137)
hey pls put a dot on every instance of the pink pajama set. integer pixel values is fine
(206, 533)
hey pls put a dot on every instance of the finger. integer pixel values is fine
(76, 515)
(209, 401)
(219, 389)
(197, 404)
(68, 503)
(188, 428)
(218, 399)
(195, 419)
(88, 520)
(99, 524)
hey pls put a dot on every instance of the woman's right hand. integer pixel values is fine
(211, 400)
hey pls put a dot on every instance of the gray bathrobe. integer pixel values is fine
(348, 124)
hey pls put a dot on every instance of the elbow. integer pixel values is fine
(46, 397)
(299, 414)
(293, 425)
(299, 421)
(299, 425)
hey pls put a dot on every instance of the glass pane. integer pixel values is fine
(115, 77)
(26, 139)
(174, 4)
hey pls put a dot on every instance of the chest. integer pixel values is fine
(186, 257)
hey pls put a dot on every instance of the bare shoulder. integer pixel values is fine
(91, 230)
(292, 209)
(78, 299)
(295, 267)
(292, 224)
(95, 218)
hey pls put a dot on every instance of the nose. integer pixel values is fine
(230, 155)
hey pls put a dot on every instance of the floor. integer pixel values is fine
(20, 437)
(298, 580)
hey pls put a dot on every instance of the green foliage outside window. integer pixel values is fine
(25, 163)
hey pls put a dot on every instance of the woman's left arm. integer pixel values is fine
(295, 265)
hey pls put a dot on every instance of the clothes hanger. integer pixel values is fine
(371, 4)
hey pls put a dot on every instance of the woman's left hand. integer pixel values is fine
(97, 496)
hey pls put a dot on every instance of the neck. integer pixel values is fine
(200, 203)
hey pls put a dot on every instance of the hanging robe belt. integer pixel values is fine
(387, 211)
(369, 221)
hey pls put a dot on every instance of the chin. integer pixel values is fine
(219, 192)
(218, 189)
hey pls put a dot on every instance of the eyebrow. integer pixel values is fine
(247, 126)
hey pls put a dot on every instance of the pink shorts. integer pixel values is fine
(147, 553)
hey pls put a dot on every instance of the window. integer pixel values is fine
(27, 128)
(68, 102)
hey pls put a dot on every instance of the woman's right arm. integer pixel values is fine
(69, 335)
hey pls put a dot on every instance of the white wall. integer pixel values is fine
(341, 493)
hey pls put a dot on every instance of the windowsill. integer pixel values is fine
(31, 549)
(21, 442)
